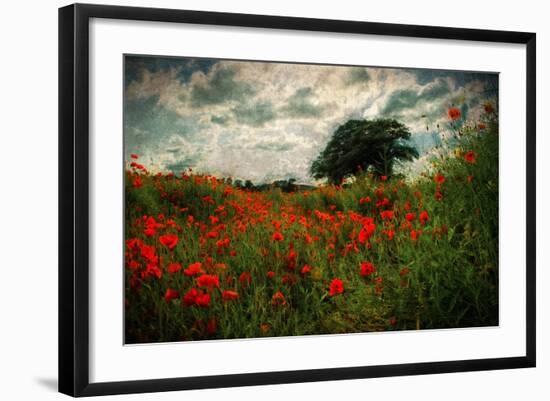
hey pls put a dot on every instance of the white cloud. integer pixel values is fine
(267, 121)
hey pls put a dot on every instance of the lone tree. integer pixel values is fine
(361, 145)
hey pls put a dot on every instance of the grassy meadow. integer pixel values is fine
(205, 259)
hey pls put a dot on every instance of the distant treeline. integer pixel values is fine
(284, 185)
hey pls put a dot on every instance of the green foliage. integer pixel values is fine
(447, 277)
(363, 145)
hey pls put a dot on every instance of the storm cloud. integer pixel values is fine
(267, 121)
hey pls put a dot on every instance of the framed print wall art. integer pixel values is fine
(276, 199)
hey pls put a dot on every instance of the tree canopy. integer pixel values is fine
(364, 145)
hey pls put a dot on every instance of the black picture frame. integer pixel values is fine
(74, 198)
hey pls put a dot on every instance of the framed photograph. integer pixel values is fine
(251, 199)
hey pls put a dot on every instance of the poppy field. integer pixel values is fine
(206, 259)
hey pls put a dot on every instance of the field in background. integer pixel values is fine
(207, 260)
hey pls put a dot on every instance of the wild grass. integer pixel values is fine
(440, 271)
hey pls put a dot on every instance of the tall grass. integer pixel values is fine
(436, 273)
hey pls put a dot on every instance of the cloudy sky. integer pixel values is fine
(268, 121)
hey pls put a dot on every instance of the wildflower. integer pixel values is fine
(305, 270)
(134, 156)
(223, 243)
(229, 295)
(386, 214)
(470, 157)
(277, 236)
(170, 295)
(363, 200)
(137, 183)
(203, 300)
(152, 270)
(245, 278)
(367, 269)
(423, 217)
(190, 297)
(336, 287)
(208, 280)
(174, 268)
(410, 217)
(488, 107)
(169, 240)
(278, 299)
(367, 231)
(193, 269)
(270, 274)
(454, 113)
(439, 178)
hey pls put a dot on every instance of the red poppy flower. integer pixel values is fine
(454, 113)
(481, 126)
(229, 295)
(169, 240)
(170, 295)
(414, 235)
(148, 252)
(367, 269)
(410, 216)
(208, 280)
(152, 270)
(470, 157)
(336, 287)
(270, 274)
(133, 265)
(488, 107)
(386, 214)
(137, 183)
(366, 232)
(245, 278)
(174, 268)
(438, 195)
(223, 243)
(363, 200)
(404, 271)
(439, 178)
(305, 270)
(278, 299)
(190, 297)
(277, 236)
(134, 156)
(193, 269)
(203, 300)
(423, 217)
